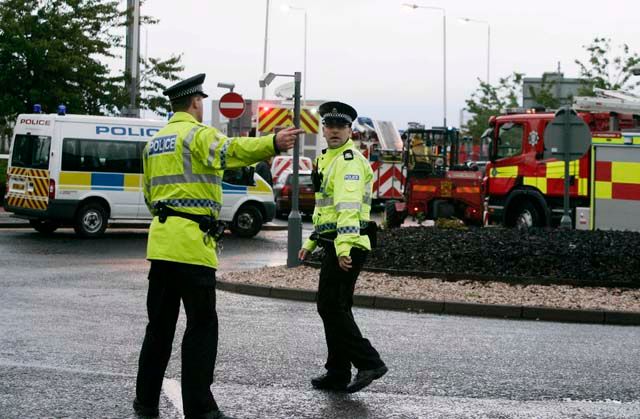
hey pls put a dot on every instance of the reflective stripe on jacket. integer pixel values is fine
(343, 204)
(183, 167)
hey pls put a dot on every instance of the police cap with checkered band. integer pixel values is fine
(189, 87)
(337, 113)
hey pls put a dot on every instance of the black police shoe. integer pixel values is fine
(214, 414)
(365, 377)
(145, 411)
(217, 414)
(329, 382)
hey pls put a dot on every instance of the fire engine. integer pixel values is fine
(438, 183)
(524, 189)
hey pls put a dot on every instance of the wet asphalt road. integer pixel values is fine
(72, 320)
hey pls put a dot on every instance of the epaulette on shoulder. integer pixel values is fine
(348, 154)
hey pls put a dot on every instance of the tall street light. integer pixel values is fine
(294, 227)
(444, 53)
(286, 8)
(266, 42)
(484, 22)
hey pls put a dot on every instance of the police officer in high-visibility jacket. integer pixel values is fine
(183, 168)
(343, 181)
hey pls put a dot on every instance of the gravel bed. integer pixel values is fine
(369, 283)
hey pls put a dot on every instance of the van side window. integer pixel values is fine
(81, 155)
(233, 176)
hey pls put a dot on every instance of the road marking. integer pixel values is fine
(173, 391)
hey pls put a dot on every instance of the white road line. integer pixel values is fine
(173, 391)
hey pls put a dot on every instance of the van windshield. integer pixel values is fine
(31, 151)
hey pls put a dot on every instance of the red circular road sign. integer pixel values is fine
(231, 105)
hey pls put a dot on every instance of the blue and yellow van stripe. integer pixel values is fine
(132, 182)
(260, 188)
(95, 181)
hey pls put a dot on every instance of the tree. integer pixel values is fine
(490, 100)
(605, 69)
(54, 51)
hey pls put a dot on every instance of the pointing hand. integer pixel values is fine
(286, 139)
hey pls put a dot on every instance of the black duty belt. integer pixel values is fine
(207, 223)
(325, 238)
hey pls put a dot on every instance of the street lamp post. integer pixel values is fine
(286, 8)
(294, 222)
(484, 22)
(444, 53)
(266, 42)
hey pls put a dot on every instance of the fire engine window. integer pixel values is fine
(31, 151)
(510, 140)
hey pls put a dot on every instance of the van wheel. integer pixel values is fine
(44, 226)
(91, 220)
(247, 221)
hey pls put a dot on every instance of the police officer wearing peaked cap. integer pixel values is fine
(183, 168)
(343, 180)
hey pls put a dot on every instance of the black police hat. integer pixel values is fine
(188, 87)
(337, 113)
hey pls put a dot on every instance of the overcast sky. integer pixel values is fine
(384, 59)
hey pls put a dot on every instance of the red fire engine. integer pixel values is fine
(524, 189)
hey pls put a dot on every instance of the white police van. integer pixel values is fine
(86, 172)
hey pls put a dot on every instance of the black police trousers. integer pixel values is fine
(346, 345)
(170, 282)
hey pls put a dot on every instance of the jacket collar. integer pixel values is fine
(335, 151)
(183, 117)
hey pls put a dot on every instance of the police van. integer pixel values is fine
(86, 172)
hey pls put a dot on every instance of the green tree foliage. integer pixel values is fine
(607, 68)
(55, 51)
(490, 100)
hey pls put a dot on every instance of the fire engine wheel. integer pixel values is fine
(44, 226)
(91, 220)
(391, 216)
(247, 222)
(527, 216)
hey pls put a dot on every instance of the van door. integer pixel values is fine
(28, 173)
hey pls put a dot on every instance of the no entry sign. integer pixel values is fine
(231, 105)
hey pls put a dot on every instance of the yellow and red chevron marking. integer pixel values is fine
(35, 182)
(309, 121)
(270, 118)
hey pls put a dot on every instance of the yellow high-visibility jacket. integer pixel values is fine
(183, 167)
(343, 204)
